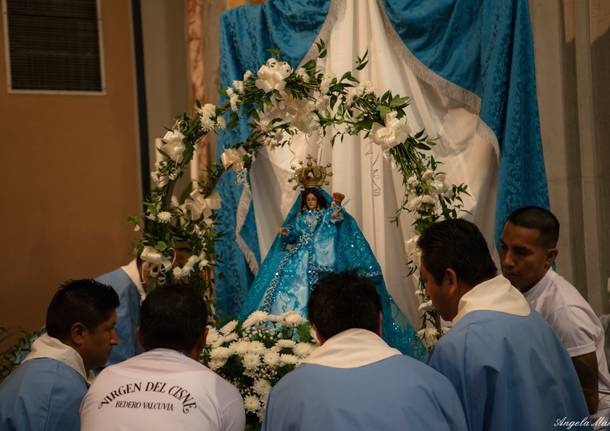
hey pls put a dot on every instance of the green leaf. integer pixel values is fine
(161, 246)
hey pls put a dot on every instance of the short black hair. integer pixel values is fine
(540, 219)
(173, 317)
(457, 244)
(86, 301)
(321, 200)
(343, 301)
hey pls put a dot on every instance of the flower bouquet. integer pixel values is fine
(255, 354)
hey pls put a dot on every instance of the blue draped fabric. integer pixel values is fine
(485, 46)
(246, 33)
(317, 243)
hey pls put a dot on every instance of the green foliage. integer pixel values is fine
(12, 356)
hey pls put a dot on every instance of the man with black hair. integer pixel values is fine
(165, 387)
(45, 391)
(504, 360)
(528, 247)
(355, 381)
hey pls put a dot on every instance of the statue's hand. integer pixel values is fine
(338, 198)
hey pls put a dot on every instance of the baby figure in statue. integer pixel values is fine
(319, 237)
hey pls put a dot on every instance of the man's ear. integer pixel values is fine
(451, 280)
(77, 333)
(551, 255)
(320, 339)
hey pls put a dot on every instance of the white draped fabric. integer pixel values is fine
(466, 147)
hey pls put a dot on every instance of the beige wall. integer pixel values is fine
(69, 178)
(572, 42)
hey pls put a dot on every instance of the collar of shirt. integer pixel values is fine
(46, 346)
(496, 294)
(350, 349)
(131, 269)
(537, 289)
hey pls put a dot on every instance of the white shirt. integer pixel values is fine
(161, 389)
(575, 322)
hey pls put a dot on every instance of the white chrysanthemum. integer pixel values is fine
(292, 318)
(262, 387)
(251, 361)
(256, 347)
(164, 216)
(251, 403)
(288, 359)
(220, 353)
(240, 347)
(247, 75)
(254, 318)
(229, 327)
(231, 337)
(213, 335)
(207, 112)
(215, 364)
(285, 344)
(271, 358)
(303, 349)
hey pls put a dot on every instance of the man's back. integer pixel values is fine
(161, 389)
(510, 371)
(395, 393)
(41, 394)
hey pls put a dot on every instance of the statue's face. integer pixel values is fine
(311, 201)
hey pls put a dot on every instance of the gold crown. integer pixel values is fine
(310, 174)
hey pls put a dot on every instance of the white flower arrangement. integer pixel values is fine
(256, 353)
(279, 103)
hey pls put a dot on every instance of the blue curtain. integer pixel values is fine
(484, 46)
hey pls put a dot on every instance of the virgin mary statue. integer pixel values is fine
(319, 237)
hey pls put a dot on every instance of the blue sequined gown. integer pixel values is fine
(319, 243)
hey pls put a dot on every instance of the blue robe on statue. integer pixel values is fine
(319, 243)
(507, 365)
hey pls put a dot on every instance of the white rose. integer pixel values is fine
(233, 158)
(234, 100)
(428, 200)
(414, 203)
(173, 145)
(271, 76)
(394, 133)
(247, 75)
(228, 328)
(251, 403)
